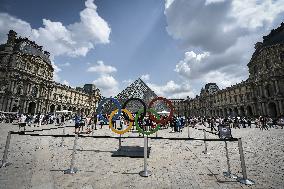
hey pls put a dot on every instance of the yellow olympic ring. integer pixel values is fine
(122, 131)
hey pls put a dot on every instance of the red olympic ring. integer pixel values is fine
(161, 121)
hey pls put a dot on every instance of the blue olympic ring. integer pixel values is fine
(99, 109)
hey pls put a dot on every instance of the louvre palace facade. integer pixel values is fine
(261, 94)
(27, 85)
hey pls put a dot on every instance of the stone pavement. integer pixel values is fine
(174, 164)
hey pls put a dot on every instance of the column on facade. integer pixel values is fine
(259, 109)
(280, 105)
(1, 104)
(25, 108)
(7, 105)
(12, 89)
(276, 87)
(29, 88)
(37, 109)
(255, 109)
(45, 107)
(22, 107)
(260, 90)
(264, 108)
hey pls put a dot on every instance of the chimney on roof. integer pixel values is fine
(12, 35)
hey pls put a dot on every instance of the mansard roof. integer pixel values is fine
(25, 46)
(276, 36)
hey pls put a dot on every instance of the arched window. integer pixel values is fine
(34, 91)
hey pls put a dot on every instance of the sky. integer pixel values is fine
(175, 46)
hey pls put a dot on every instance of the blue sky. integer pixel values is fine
(176, 46)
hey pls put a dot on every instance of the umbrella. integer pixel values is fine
(164, 112)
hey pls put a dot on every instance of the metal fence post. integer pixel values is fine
(245, 179)
(205, 144)
(145, 172)
(62, 139)
(157, 133)
(4, 162)
(188, 131)
(72, 168)
(119, 142)
(228, 173)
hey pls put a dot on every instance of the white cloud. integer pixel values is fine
(108, 84)
(145, 77)
(191, 58)
(76, 39)
(91, 25)
(56, 77)
(221, 78)
(215, 25)
(101, 68)
(128, 81)
(172, 90)
(223, 33)
(256, 13)
(208, 2)
(65, 83)
(168, 3)
(67, 64)
(8, 22)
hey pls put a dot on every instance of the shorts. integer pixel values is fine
(77, 125)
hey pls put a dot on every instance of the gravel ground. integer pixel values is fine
(39, 161)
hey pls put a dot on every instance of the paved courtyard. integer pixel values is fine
(39, 162)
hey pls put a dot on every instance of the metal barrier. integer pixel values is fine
(205, 144)
(145, 172)
(228, 173)
(72, 168)
(62, 139)
(244, 179)
(188, 131)
(119, 143)
(4, 162)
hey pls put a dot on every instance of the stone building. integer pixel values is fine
(180, 108)
(27, 86)
(261, 94)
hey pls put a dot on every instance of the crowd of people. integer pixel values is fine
(177, 123)
(34, 119)
(7, 118)
(262, 122)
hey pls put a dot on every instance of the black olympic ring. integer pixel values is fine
(116, 102)
(144, 109)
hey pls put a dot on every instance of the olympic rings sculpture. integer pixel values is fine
(122, 111)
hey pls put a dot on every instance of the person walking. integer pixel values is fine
(88, 123)
(212, 123)
(249, 122)
(235, 124)
(77, 123)
(62, 119)
(95, 119)
(243, 122)
(22, 121)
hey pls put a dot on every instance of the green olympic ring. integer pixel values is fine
(138, 126)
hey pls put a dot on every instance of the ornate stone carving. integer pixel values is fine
(31, 70)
